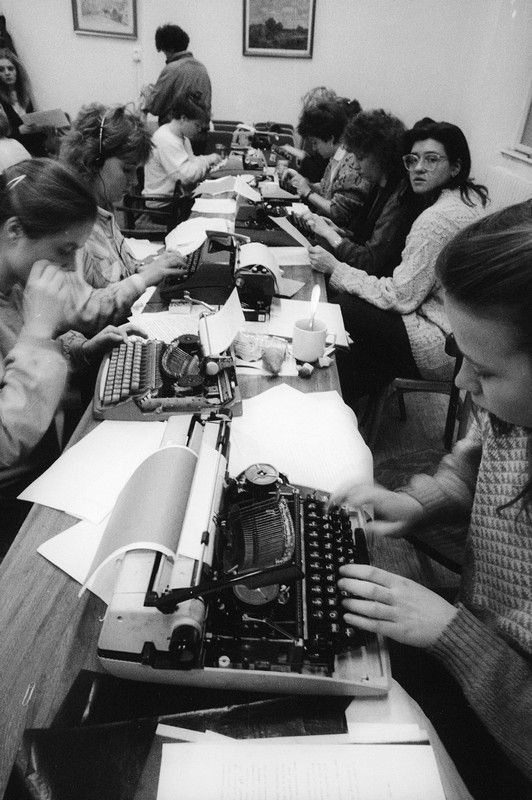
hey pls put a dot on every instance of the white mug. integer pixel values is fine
(308, 343)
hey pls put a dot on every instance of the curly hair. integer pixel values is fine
(45, 196)
(323, 120)
(99, 132)
(22, 84)
(377, 133)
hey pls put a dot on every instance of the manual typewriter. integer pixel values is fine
(151, 380)
(254, 604)
(255, 221)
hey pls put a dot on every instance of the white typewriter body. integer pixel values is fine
(137, 639)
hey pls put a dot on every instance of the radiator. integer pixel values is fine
(506, 188)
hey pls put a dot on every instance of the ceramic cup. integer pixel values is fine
(308, 344)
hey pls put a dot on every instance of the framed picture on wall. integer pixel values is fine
(106, 17)
(279, 28)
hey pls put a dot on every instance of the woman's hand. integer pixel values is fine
(50, 305)
(93, 349)
(321, 260)
(166, 264)
(323, 227)
(381, 602)
(299, 183)
(213, 159)
(395, 512)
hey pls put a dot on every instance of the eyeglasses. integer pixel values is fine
(429, 160)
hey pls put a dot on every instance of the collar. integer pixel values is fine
(178, 56)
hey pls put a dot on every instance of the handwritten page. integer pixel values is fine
(312, 438)
(298, 772)
(86, 479)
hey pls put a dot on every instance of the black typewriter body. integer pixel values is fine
(254, 221)
(150, 380)
(296, 624)
(208, 276)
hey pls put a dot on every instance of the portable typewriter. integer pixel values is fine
(151, 380)
(255, 222)
(254, 605)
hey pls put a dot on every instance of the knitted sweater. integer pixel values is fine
(488, 645)
(413, 290)
(33, 374)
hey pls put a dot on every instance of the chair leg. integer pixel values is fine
(377, 407)
(452, 412)
(401, 404)
(463, 417)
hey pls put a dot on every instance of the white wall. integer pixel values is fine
(468, 61)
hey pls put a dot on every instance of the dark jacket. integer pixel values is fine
(181, 74)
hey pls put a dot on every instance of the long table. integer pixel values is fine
(48, 634)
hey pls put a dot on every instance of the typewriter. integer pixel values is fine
(255, 222)
(254, 605)
(151, 380)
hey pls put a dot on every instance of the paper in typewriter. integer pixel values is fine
(148, 514)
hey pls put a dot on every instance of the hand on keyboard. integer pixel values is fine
(107, 338)
(167, 263)
(395, 512)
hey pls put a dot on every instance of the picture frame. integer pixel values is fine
(279, 28)
(117, 18)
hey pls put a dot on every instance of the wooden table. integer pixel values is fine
(48, 634)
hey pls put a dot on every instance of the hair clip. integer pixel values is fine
(14, 181)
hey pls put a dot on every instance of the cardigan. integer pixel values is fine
(413, 290)
(342, 185)
(487, 646)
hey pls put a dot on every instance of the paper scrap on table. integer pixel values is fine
(285, 224)
(310, 437)
(285, 313)
(167, 325)
(270, 772)
(86, 479)
(141, 249)
(204, 205)
(190, 234)
(222, 327)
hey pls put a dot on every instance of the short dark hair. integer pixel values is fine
(322, 120)
(190, 105)
(377, 133)
(457, 150)
(171, 37)
(45, 196)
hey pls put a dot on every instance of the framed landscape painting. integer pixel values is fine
(279, 28)
(106, 17)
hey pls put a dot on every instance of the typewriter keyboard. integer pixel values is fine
(328, 543)
(132, 368)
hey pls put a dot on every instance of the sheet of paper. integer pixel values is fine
(204, 205)
(141, 249)
(74, 549)
(284, 313)
(140, 304)
(256, 253)
(271, 190)
(85, 481)
(312, 438)
(292, 256)
(288, 287)
(288, 227)
(190, 234)
(297, 772)
(167, 325)
(216, 186)
(220, 329)
(55, 118)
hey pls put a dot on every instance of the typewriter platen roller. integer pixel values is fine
(265, 613)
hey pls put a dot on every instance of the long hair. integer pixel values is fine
(487, 268)
(98, 133)
(45, 196)
(22, 84)
(457, 150)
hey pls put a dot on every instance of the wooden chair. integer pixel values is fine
(457, 410)
(134, 206)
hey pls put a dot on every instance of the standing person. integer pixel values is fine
(484, 640)
(171, 158)
(398, 324)
(46, 215)
(182, 74)
(15, 99)
(105, 147)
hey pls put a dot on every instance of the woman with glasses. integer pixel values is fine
(377, 236)
(172, 158)
(398, 324)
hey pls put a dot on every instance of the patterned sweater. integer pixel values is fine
(488, 645)
(342, 185)
(413, 290)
